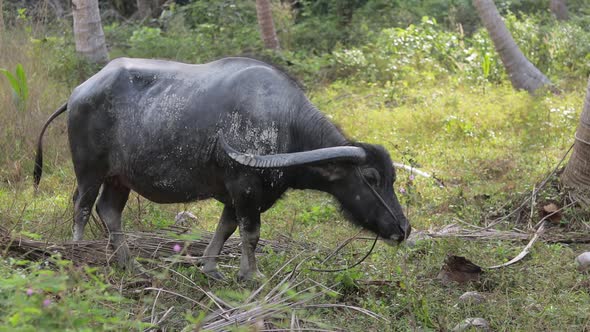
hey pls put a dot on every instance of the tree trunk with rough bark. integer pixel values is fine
(88, 31)
(523, 74)
(267, 27)
(559, 9)
(1, 17)
(576, 175)
(144, 8)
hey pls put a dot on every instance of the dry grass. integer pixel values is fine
(19, 130)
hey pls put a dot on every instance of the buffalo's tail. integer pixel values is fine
(39, 157)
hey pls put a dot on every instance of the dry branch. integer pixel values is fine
(453, 231)
(416, 171)
(524, 251)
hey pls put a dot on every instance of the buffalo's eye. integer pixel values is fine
(371, 175)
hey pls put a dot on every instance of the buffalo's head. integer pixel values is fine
(366, 193)
(361, 177)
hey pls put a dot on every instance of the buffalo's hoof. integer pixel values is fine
(136, 268)
(255, 276)
(200, 262)
(216, 275)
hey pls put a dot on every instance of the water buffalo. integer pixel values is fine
(236, 129)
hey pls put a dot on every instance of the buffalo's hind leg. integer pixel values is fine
(110, 206)
(84, 198)
(226, 227)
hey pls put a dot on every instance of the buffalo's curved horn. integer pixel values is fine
(351, 154)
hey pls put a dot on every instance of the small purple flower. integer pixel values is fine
(30, 291)
(412, 177)
(177, 248)
(46, 302)
(402, 190)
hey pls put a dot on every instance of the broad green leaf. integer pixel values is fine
(22, 78)
(12, 80)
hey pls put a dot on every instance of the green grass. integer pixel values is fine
(489, 144)
(496, 144)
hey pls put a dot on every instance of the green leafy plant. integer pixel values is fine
(348, 279)
(318, 213)
(18, 82)
(486, 65)
(59, 296)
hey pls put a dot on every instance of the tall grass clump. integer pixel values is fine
(20, 122)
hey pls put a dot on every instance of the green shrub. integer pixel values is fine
(222, 28)
(426, 51)
(417, 52)
(147, 42)
(35, 297)
(557, 48)
(318, 34)
(195, 33)
(58, 54)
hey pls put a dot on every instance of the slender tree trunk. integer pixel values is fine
(1, 17)
(88, 31)
(144, 8)
(523, 74)
(267, 27)
(559, 9)
(577, 171)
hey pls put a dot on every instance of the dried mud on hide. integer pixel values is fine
(158, 244)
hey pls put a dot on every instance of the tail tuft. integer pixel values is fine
(38, 165)
(39, 157)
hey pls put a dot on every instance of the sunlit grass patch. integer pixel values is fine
(488, 144)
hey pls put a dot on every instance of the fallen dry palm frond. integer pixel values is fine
(454, 231)
(284, 302)
(153, 245)
(281, 308)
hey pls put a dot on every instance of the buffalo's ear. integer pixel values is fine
(330, 172)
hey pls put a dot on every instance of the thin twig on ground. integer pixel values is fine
(524, 251)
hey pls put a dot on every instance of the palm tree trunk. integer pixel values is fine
(267, 27)
(559, 9)
(88, 31)
(523, 74)
(577, 171)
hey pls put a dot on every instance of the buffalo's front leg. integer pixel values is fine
(245, 191)
(226, 227)
(250, 233)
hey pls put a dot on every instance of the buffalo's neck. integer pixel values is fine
(312, 130)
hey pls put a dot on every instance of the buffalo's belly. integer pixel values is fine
(172, 184)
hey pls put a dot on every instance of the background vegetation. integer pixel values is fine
(419, 77)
